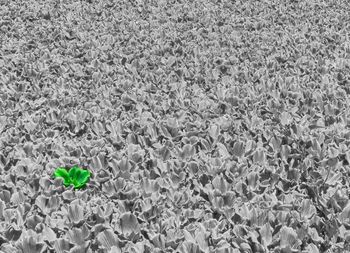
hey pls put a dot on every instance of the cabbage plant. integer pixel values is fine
(74, 176)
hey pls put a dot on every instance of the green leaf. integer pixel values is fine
(62, 173)
(73, 171)
(79, 177)
(76, 176)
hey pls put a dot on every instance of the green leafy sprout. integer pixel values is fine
(74, 176)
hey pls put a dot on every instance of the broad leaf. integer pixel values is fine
(75, 176)
(78, 176)
(63, 173)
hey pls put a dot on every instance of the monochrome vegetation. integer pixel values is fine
(192, 126)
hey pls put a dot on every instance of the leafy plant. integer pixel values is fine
(74, 176)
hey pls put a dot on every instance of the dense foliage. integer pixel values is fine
(209, 126)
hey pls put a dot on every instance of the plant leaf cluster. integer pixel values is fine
(74, 176)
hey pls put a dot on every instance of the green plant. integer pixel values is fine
(75, 176)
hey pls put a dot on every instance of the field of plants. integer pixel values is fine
(193, 126)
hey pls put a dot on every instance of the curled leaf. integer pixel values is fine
(75, 176)
(78, 176)
(62, 173)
